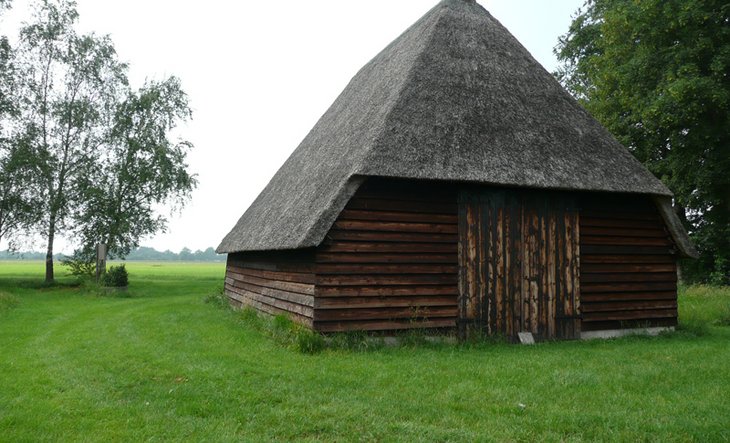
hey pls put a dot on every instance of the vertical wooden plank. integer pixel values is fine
(498, 266)
(484, 264)
(550, 251)
(560, 274)
(569, 265)
(516, 267)
(469, 262)
(543, 270)
(524, 269)
(473, 277)
(576, 275)
(506, 281)
(489, 264)
(534, 271)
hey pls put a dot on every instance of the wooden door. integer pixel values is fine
(518, 263)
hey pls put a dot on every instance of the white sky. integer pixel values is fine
(259, 74)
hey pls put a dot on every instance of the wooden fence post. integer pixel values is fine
(100, 260)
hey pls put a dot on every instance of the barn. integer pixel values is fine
(454, 184)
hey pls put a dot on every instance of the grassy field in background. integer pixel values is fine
(160, 364)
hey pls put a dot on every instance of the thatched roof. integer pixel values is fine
(456, 97)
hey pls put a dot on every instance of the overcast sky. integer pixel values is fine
(259, 75)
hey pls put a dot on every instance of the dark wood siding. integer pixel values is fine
(273, 282)
(551, 263)
(519, 262)
(628, 264)
(390, 260)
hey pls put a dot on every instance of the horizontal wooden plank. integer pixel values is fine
(627, 305)
(626, 258)
(358, 268)
(296, 277)
(420, 313)
(379, 236)
(283, 259)
(624, 249)
(590, 268)
(623, 232)
(305, 268)
(306, 311)
(368, 225)
(389, 279)
(586, 288)
(413, 191)
(439, 248)
(397, 216)
(242, 300)
(402, 206)
(621, 296)
(383, 325)
(386, 258)
(650, 215)
(302, 299)
(299, 288)
(629, 315)
(367, 291)
(629, 277)
(637, 241)
(383, 302)
(586, 221)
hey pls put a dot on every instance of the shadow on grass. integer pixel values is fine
(41, 285)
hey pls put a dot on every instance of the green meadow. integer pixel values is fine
(161, 363)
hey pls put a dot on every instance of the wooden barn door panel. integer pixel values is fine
(519, 264)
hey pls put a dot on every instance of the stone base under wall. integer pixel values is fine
(614, 333)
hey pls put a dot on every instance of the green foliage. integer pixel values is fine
(217, 297)
(80, 266)
(654, 73)
(703, 307)
(67, 83)
(352, 341)
(20, 203)
(309, 342)
(142, 169)
(19, 161)
(249, 315)
(81, 153)
(116, 277)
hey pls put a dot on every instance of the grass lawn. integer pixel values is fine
(163, 365)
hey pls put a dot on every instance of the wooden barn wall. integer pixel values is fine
(390, 260)
(273, 282)
(519, 263)
(628, 264)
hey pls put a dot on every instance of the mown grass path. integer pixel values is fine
(163, 365)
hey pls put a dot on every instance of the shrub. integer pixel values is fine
(116, 277)
(80, 266)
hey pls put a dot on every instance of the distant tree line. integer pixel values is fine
(82, 153)
(141, 253)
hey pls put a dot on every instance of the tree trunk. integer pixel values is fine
(49, 250)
